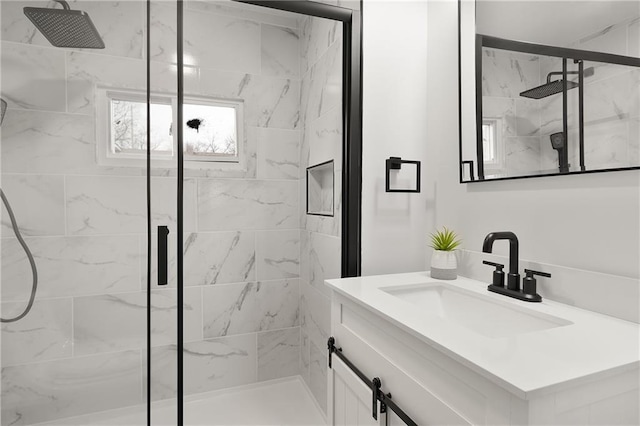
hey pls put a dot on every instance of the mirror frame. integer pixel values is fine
(522, 47)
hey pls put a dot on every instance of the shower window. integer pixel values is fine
(212, 129)
(493, 150)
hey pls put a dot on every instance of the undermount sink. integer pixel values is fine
(474, 312)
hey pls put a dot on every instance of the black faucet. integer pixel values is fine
(528, 293)
(513, 278)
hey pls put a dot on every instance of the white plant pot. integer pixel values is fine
(444, 265)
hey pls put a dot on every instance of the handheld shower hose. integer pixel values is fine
(32, 262)
(25, 247)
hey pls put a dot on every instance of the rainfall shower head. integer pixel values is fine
(3, 109)
(65, 27)
(553, 87)
(547, 89)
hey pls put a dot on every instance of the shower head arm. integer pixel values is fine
(588, 72)
(64, 4)
(559, 73)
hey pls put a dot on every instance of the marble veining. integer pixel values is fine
(278, 254)
(278, 153)
(86, 70)
(44, 334)
(280, 51)
(324, 139)
(528, 117)
(208, 365)
(317, 320)
(39, 142)
(606, 145)
(609, 98)
(208, 38)
(269, 101)
(43, 68)
(317, 35)
(126, 324)
(33, 393)
(322, 87)
(37, 202)
(229, 204)
(221, 257)
(250, 307)
(278, 353)
(71, 266)
(506, 75)
(522, 154)
(324, 260)
(102, 205)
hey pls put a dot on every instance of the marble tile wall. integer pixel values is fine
(82, 348)
(504, 75)
(320, 239)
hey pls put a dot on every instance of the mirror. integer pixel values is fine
(548, 88)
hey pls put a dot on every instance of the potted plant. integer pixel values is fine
(444, 265)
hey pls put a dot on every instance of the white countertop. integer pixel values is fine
(528, 364)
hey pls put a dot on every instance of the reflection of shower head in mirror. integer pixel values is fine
(555, 87)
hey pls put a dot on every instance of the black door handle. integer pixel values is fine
(163, 258)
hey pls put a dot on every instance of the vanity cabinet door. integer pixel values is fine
(349, 398)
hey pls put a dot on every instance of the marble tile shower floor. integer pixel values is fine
(284, 402)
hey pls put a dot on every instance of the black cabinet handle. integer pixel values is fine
(163, 258)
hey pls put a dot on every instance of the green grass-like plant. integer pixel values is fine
(445, 240)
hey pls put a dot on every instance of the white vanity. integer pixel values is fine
(450, 352)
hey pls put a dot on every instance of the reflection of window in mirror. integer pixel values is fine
(492, 144)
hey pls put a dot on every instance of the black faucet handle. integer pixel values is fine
(498, 274)
(530, 273)
(498, 266)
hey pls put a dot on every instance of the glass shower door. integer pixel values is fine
(262, 102)
(73, 148)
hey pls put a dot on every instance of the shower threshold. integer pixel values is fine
(276, 402)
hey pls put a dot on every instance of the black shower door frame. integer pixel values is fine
(351, 152)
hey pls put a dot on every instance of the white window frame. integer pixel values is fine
(497, 142)
(106, 157)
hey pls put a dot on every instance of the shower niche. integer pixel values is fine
(553, 102)
(320, 189)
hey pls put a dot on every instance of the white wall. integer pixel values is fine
(589, 222)
(394, 226)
